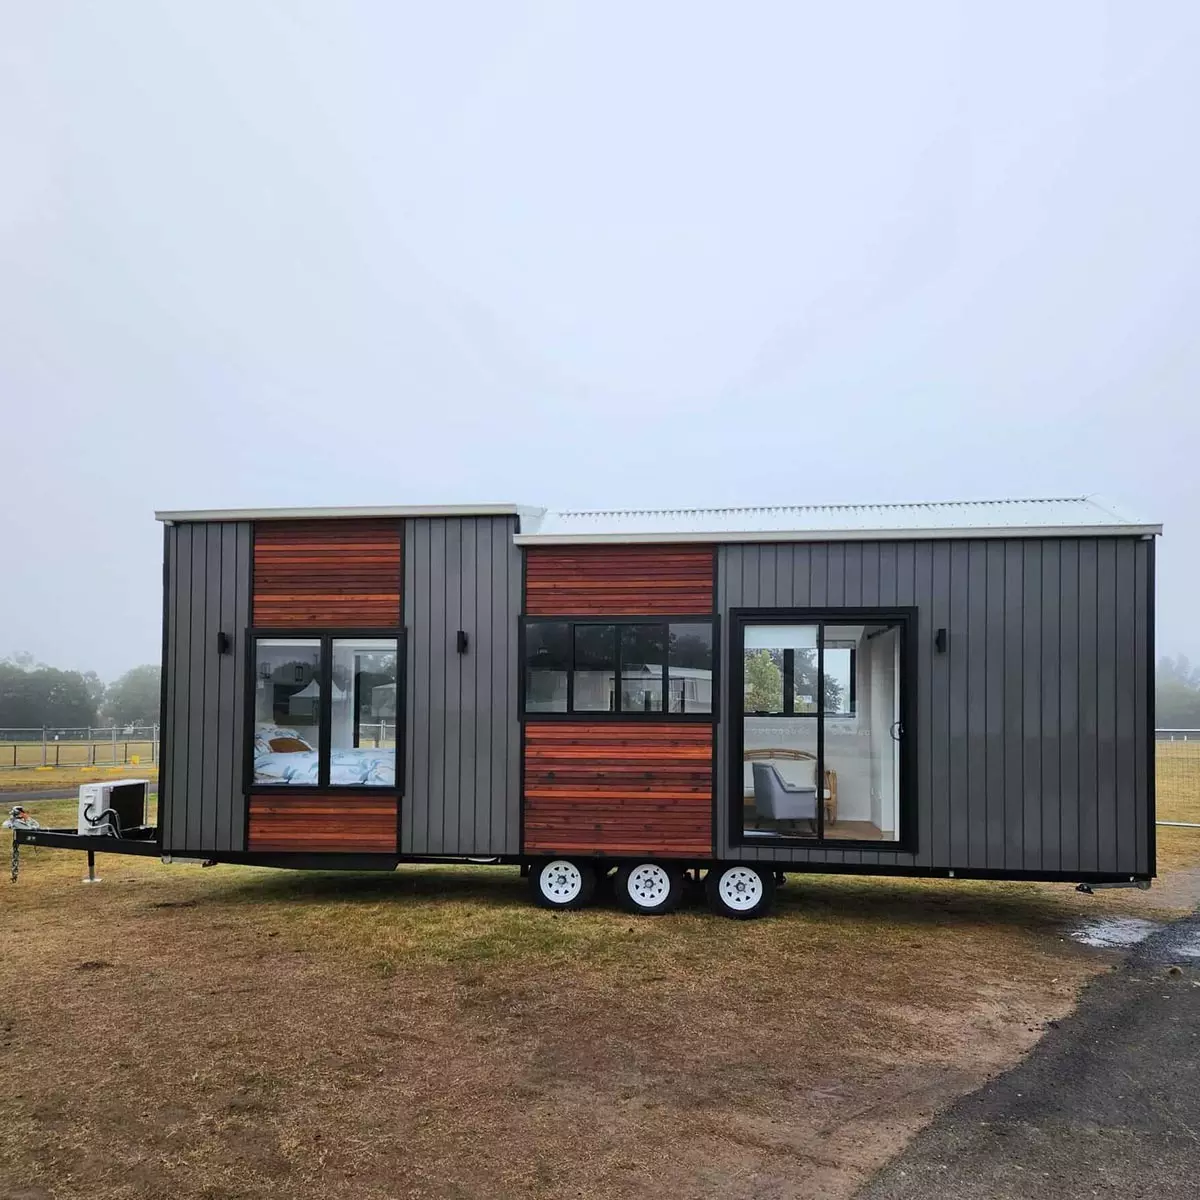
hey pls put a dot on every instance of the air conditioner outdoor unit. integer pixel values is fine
(112, 808)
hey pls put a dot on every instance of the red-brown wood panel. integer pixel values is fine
(313, 824)
(618, 788)
(327, 572)
(618, 580)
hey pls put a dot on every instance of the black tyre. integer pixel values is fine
(740, 890)
(648, 887)
(562, 882)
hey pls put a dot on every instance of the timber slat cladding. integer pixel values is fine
(343, 573)
(618, 580)
(618, 788)
(355, 824)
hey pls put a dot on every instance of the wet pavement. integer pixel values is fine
(1107, 1104)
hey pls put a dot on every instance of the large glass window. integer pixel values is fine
(821, 730)
(629, 668)
(362, 749)
(287, 710)
(325, 711)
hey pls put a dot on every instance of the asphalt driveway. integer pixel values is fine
(1107, 1104)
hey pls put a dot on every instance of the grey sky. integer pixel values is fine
(595, 255)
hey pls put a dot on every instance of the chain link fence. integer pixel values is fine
(136, 745)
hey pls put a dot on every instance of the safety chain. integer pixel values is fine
(18, 818)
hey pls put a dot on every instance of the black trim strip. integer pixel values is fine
(163, 773)
(1151, 782)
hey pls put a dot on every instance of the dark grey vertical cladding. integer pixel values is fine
(467, 559)
(484, 650)
(1050, 737)
(240, 668)
(958, 725)
(1029, 798)
(1106, 705)
(202, 805)
(172, 795)
(1031, 747)
(920, 742)
(993, 690)
(1143, 741)
(439, 659)
(939, 711)
(452, 697)
(207, 814)
(975, 801)
(1089, 709)
(462, 773)
(1124, 832)
(224, 617)
(511, 729)
(414, 806)
(1013, 620)
(1070, 734)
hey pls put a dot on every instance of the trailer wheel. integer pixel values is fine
(563, 883)
(740, 890)
(650, 888)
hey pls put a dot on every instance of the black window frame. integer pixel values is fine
(656, 716)
(906, 619)
(326, 635)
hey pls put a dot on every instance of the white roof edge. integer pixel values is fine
(321, 514)
(841, 535)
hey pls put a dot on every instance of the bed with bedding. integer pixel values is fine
(282, 756)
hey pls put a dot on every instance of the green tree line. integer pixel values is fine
(34, 695)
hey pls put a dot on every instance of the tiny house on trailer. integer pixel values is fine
(927, 689)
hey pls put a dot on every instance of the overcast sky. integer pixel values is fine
(590, 255)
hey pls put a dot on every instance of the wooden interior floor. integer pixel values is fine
(859, 831)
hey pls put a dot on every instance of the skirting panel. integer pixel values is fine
(345, 824)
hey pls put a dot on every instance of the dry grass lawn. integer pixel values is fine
(39, 779)
(232, 1032)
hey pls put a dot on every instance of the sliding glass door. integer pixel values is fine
(819, 714)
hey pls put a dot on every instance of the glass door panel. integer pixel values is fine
(780, 796)
(861, 725)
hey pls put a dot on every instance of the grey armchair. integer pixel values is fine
(776, 800)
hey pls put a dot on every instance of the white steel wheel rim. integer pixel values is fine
(649, 885)
(740, 888)
(561, 881)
